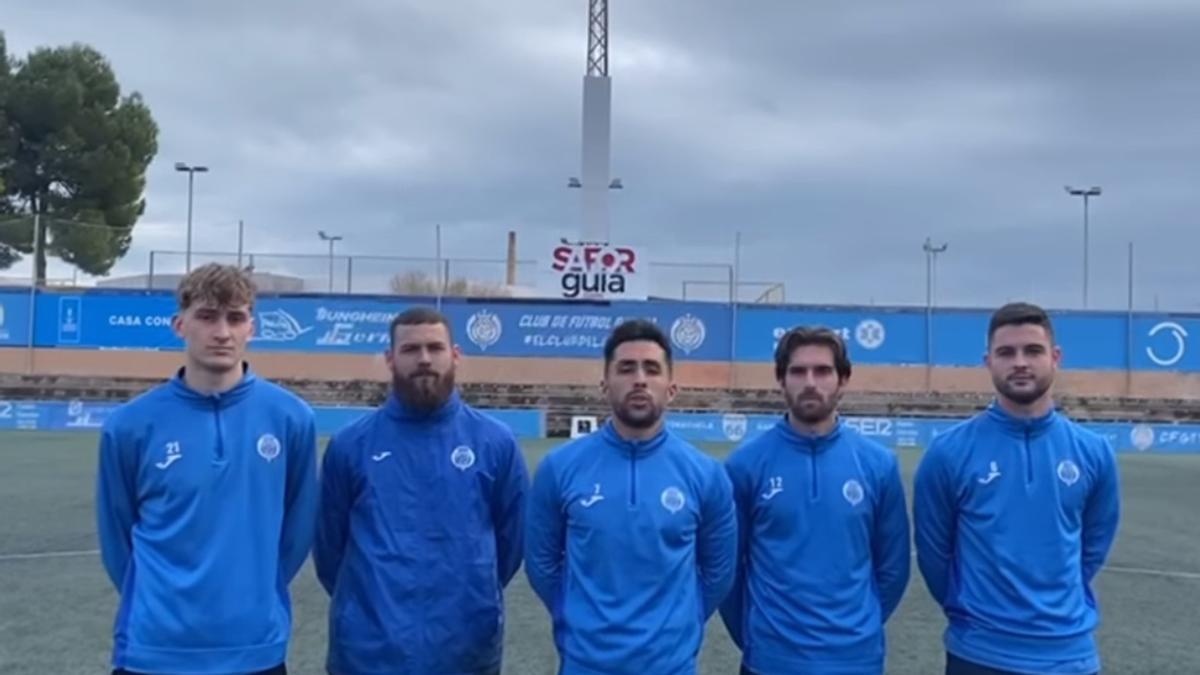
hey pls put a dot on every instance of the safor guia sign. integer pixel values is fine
(587, 271)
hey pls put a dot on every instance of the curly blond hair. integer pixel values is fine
(216, 284)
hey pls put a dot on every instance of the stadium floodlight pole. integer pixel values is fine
(931, 253)
(1129, 329)
(437, 252)
(735, 279)
(33, 280)
(594, 181)
(331, 239)
(191, 172)
(1087, 193)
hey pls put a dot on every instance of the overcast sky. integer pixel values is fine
(834, 136)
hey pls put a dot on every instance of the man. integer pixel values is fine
(421, 520)
(206, 499)
(823, 555)
(631, 532)
(1015, 511)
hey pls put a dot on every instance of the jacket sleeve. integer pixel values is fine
(934, 520)
(300, 499)
(717, 541)
(733, 607)
(508, 510)
(333, 520)
(545, 537)
(1102, 514)
(116, 500)
(890, 548)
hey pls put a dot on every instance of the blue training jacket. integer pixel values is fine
(824, 553)
(420, 531)
(206, 506)
(630, 545)
(1013, 519)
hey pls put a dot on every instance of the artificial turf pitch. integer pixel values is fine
(56, 605)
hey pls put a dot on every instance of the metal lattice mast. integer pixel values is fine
(597, 54)
(594, 178)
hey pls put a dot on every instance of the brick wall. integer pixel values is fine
(583, 371)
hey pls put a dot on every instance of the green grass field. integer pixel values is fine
(56, 605)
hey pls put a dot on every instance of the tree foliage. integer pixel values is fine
(75, 151)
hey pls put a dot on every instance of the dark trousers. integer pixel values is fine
(960, 666)
(280, 669)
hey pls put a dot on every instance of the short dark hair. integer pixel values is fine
(634, 330)
(417, 316)
(803, 336)
(1020, 313)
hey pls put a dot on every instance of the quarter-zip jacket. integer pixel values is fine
(206, 506)
(420, 530)
(1013, 518)
(630, 545)
(824, 551)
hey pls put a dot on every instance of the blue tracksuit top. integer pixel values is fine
(206, 507)
(824, 553)
(421, 528)
(630, 545)
(1013, 519)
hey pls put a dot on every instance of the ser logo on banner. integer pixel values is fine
(596, 271)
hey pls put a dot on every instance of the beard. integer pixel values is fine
(642, 417)
(424, 390)
(1025, 395)
(810, 407)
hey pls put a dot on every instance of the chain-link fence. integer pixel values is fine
(64, 242)
(359, 274)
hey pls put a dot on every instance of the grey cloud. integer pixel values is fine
(834, 136)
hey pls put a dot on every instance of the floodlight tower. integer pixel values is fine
(595, 181)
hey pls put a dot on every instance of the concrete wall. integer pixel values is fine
(583, 371)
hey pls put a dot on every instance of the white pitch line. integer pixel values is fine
(1143, 571)
(48, 554)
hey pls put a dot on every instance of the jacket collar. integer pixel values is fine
(400, 410)
(223, 399)
(811, 443)
(634, 447)
(1020, 426)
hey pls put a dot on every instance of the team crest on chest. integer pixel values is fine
(672, 499)
(462, 458)
(852, 490)
(1068, 472)
(268, 447)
